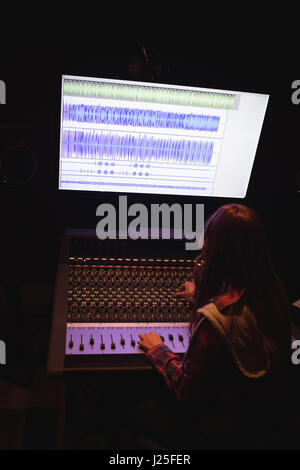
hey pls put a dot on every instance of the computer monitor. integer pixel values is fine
(152, 138)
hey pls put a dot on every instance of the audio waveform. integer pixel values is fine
(148, 94)
(139, 117)
(135, 185)
(132, 147)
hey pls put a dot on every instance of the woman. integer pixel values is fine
(230, 382)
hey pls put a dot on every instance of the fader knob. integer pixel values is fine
(81, 347)
(132, 341)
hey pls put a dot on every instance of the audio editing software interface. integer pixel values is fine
(139, 137)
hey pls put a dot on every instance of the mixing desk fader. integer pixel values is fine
(107, 292)
(121, 338)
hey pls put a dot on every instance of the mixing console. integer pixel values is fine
(105, 298)
(127, 290)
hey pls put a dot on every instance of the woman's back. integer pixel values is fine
(250, 375)
(235, 409)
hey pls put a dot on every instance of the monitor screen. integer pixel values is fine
(153, 138)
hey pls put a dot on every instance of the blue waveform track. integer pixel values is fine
(139, 117)
(132, 147)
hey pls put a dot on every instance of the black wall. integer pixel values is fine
(38, 50)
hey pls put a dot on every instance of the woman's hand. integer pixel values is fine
(187, 290)
(150, 340)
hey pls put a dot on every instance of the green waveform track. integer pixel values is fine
(148, 94)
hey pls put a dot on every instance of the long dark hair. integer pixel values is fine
(235, 255)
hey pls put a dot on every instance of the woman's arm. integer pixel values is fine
(184, 377)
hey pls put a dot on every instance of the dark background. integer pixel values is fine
(37, 49)
(199, 49)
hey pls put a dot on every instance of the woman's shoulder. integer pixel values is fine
(240, 333)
